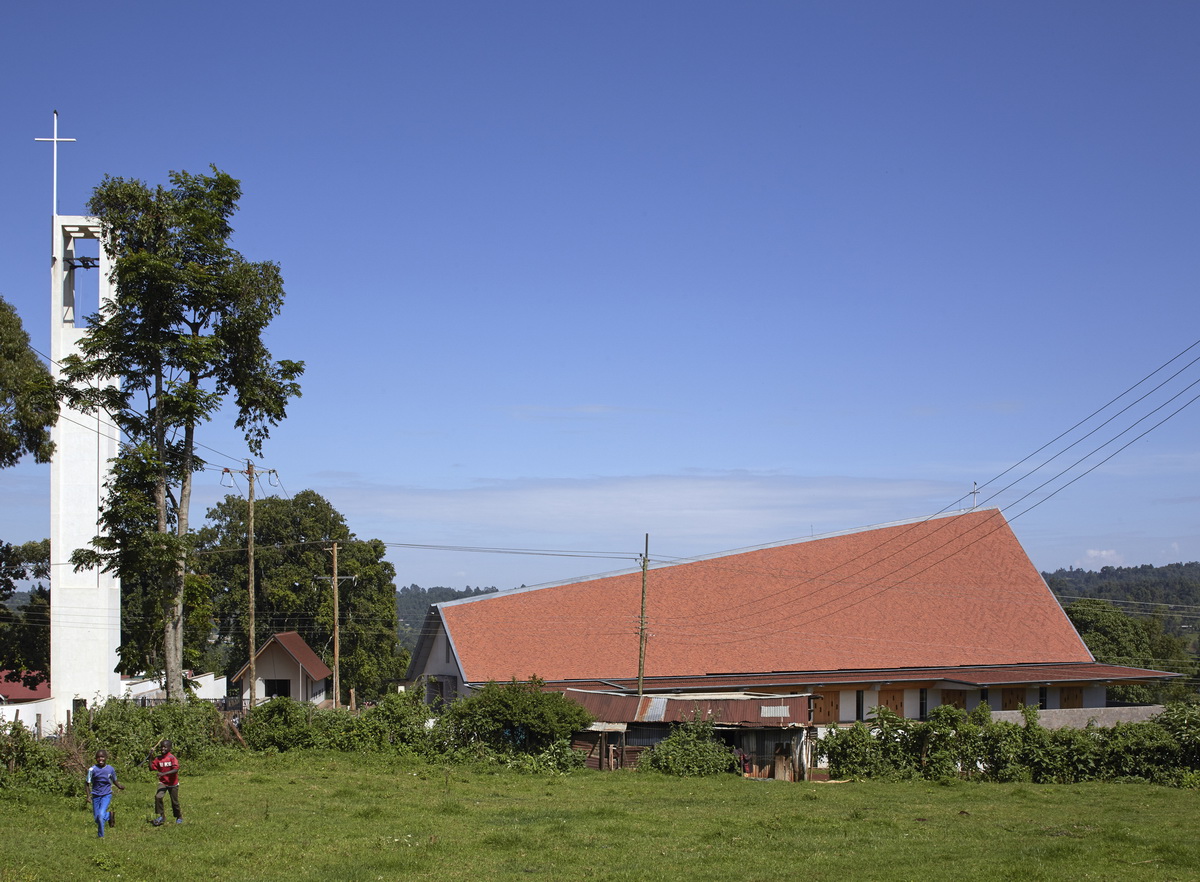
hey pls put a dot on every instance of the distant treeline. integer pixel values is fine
(1177, 583)
(1170, 593)
(412, 602)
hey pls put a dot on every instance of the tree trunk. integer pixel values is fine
(181, 530)
(173, 590)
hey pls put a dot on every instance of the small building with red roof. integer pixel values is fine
(942, 610)
(285, 667)
(13, 687)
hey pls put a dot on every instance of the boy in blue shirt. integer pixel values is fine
(101, 778)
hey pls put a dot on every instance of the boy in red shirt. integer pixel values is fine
(168, 782)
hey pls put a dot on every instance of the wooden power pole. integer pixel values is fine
(250, 580)
(337, 624)
(337, 638)
(251, 475)
(642, 621)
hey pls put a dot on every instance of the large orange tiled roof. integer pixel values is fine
(946, 591)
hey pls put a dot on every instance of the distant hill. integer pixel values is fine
(1171, 592)
(412, 603)
(18, 601)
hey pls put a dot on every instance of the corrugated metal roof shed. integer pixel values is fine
(755, 712)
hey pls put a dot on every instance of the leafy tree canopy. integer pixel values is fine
(25, 632)
(1151, 588)
(182, 335)
(28, 405)
(1119, 639)
(515, 717)
(293, 569)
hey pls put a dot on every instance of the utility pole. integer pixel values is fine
(337, 619)
(250, 579)
(251, 474)
(337, 636)
(642, 626)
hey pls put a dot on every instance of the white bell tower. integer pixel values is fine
(85, 607)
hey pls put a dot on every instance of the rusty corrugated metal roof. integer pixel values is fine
(756, 712)
(818, 681)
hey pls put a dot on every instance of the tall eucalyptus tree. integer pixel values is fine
(183, 334)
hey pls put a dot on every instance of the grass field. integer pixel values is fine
(302, 816)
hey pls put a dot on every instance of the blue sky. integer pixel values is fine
(727, 274)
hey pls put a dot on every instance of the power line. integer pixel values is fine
(118, 439)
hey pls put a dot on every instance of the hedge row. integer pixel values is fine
(953, 743)
(513, 724)
(126, 731)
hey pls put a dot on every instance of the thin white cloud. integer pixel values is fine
(1095, 558)
(684, 514)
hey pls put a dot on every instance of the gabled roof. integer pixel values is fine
(429, 631)
(949, 591)
(293, 644)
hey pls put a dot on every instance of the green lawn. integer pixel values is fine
(328, 816)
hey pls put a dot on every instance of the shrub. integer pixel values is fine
(557, 759)
(400, 721)
(939, 742)
(129, 731)
(852, 752)
(1073, 756)
(337, 729)
(516, 717)
(118, 726)
(42, 765)
(1163, 751)
(899, 742)
(690, 751)
(194, 727)
(1143, 751)
(1001, 752)
(1182, 721)
(280, 724)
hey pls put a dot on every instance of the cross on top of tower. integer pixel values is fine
(55, 140)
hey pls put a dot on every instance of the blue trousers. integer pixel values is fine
(100, 810)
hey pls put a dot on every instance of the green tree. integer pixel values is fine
(146, 565)
(1119, 639)
(28, 405)
(182, 335)
(515, 717)
(25, 633)
(292, 572)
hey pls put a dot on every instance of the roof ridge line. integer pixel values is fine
(717, 555)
